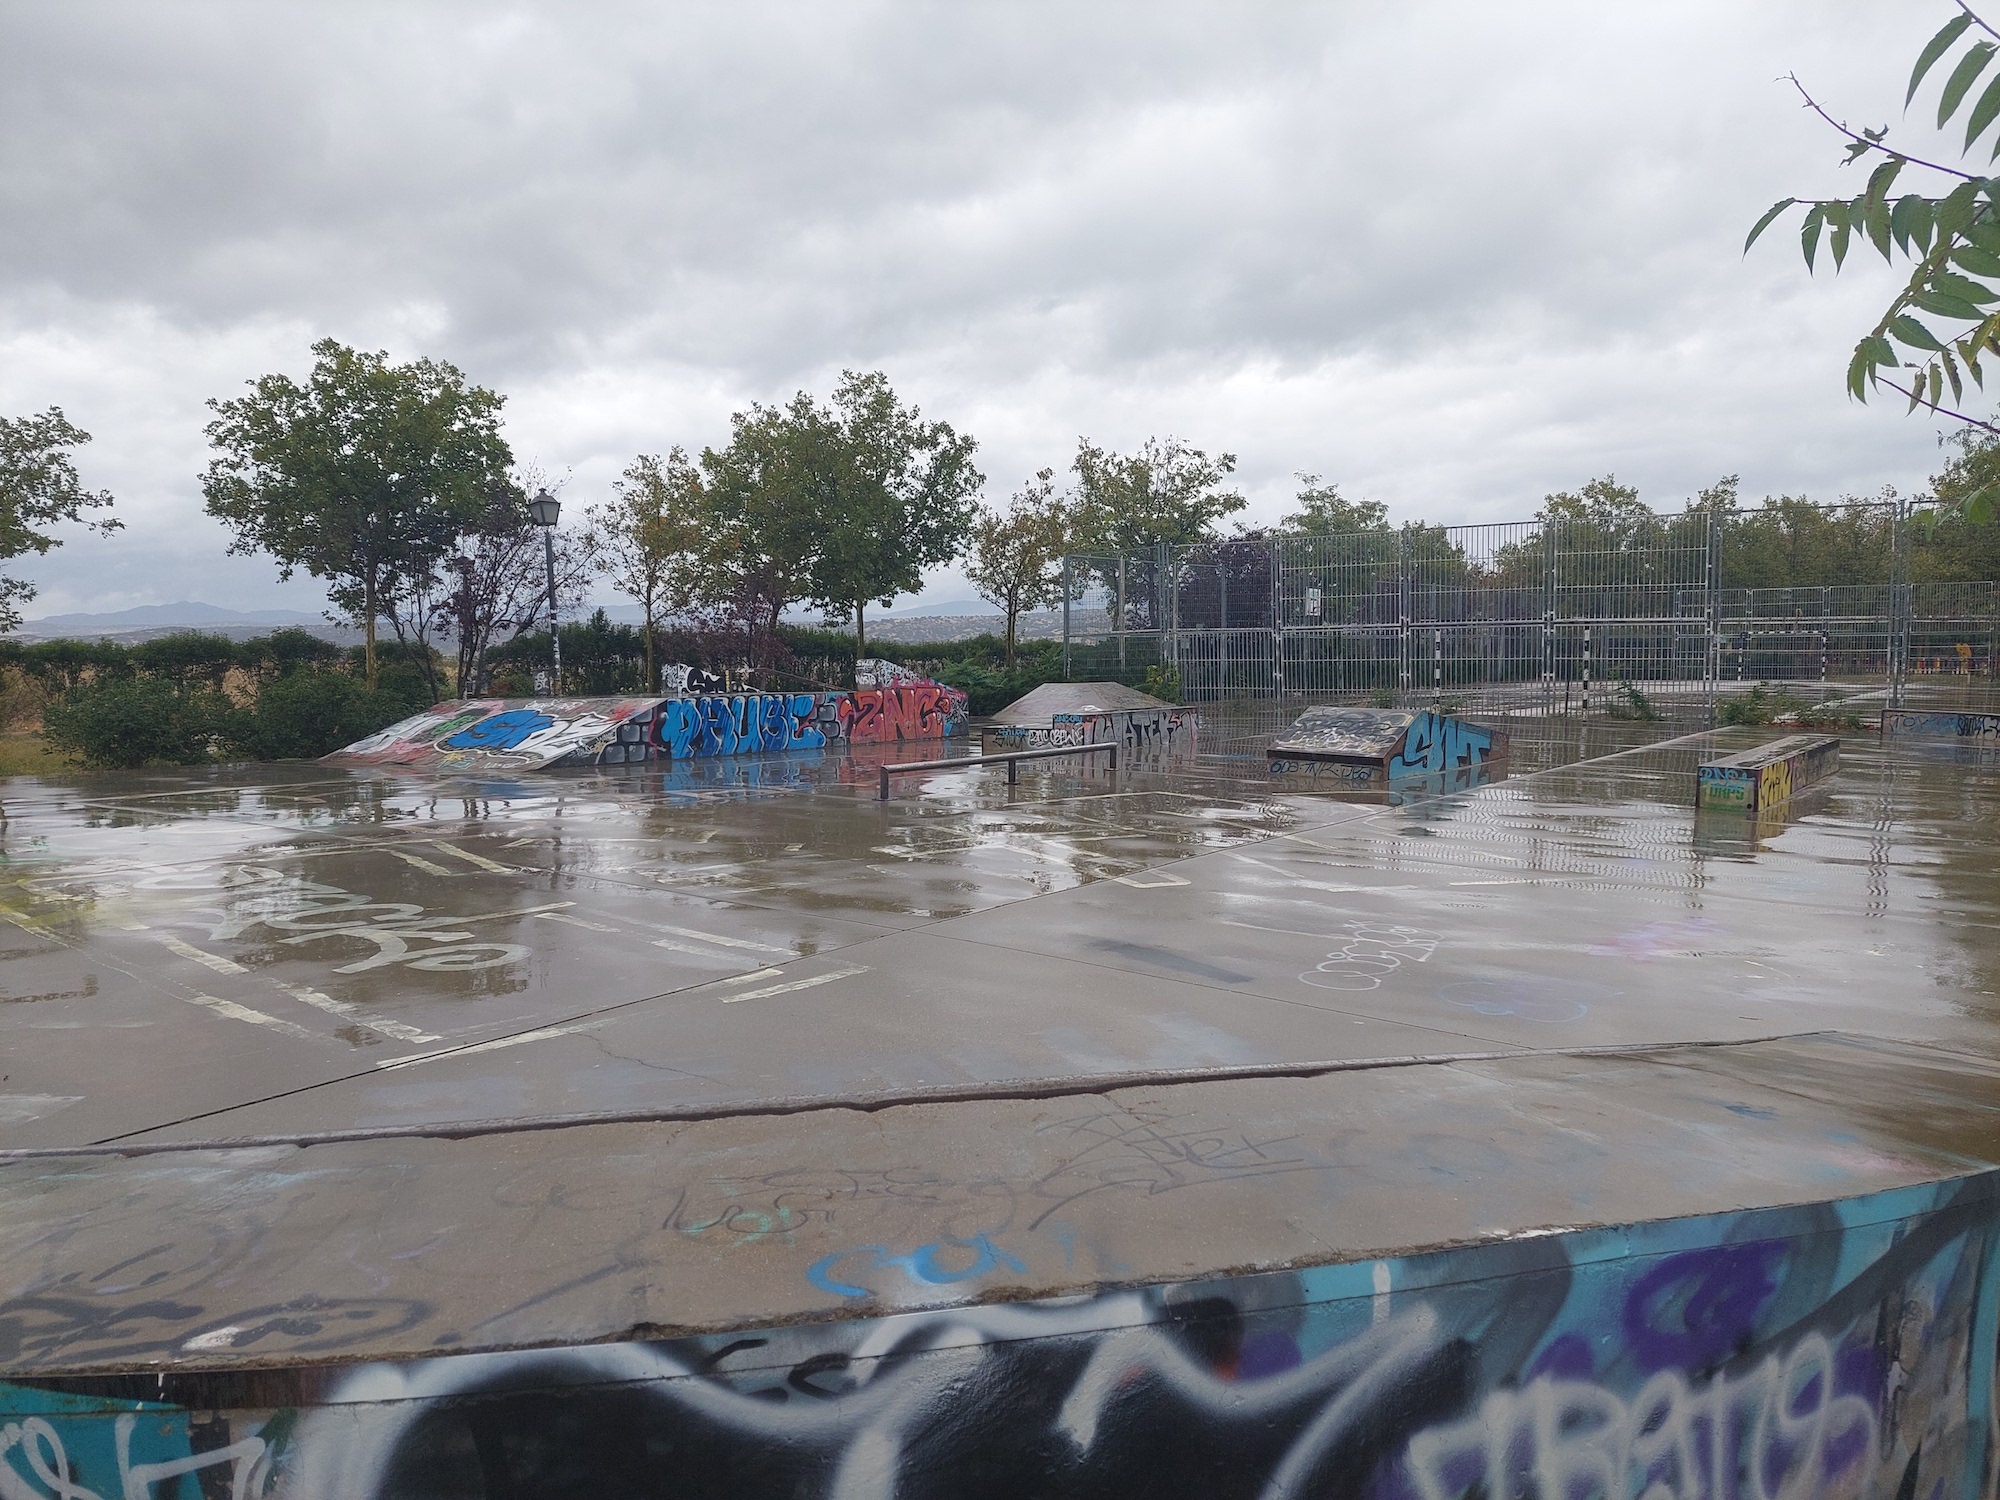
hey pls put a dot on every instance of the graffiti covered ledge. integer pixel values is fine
(1204, 1279)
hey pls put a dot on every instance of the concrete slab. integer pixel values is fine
(376, 1249)
(1125, 1028)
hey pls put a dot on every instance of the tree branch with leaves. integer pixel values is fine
(39, 488)
(1936, 332)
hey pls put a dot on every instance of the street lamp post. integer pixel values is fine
(544, 510)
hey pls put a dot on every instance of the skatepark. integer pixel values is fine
(711, 1125)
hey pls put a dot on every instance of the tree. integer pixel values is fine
(761, 529)
(1950, 237)
(1324, 511)
(1602, 515)
(494, 583)
(1017, 554)
(834, 505)
(1166, 492)
(39, 487)
(894, 495)
(364, 476)
(652, 538)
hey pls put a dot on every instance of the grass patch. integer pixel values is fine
(29, 755)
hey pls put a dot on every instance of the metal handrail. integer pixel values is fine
(1009, 756)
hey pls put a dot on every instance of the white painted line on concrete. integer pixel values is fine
(214, 961)
(473, 859)
(429, 867)
(488, 916)
(1158, 880)
(550, 916)
(546, 1033)
(234, 1012)
(796, 984)
(306, 995)
(719, 940)
(753, 974)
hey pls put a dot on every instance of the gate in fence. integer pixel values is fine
(1557, 610)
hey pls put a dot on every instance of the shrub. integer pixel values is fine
(1627, 702)
(124, 723)
(309, 714)
(1760, 705)
(1163, 682)
(186, 657)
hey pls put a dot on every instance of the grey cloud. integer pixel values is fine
(1455, 254)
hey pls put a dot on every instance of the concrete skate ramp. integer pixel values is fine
(508, 734)
(1371, 747)
(1040, 706)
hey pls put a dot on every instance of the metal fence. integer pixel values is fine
(1560, 610)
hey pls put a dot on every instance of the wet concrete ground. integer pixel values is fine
(354, 990)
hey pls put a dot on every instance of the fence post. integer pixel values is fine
(1712, 612)
(1277, 617)
(1898, 607)
(1825, 628)
(1586, 670)
(1549, 615)
(1403, 642)
(1437, 663)
(1118, 623)
(1066, 594)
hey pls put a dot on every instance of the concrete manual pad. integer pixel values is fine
(760, 974)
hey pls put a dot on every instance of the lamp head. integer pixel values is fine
(544, 509)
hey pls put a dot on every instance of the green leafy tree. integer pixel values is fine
(39, 488)
(1166, 492)
(1017, 554)
(1324, 511)
(834, 505)
(895, 495)
(760, 528)
(366, 475)
(652, 538)
(1936, 331)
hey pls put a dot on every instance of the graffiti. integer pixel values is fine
(1334, 772)
(1144, 732)
(748, 723)
(309, 911)
(1759, 779)
(1437, 742)
(504, 734)
(940, 1264)
(499, 731)
(40, 1448)
(1964, 726)
(873, 672)
(1373, 952)
(1825, 1349)
(921, 711)
(1369, 732)
(678, 680)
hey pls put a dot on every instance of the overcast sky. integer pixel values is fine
(1451, 255)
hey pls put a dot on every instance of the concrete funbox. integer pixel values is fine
(1368, 749)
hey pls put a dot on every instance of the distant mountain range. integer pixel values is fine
(950, 619)
(168, 616)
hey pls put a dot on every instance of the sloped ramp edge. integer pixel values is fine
(503, 734)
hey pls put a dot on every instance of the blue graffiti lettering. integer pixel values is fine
(1435, 743)
(499, 731)
(930, 1265)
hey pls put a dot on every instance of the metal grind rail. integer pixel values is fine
(1011, 757)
